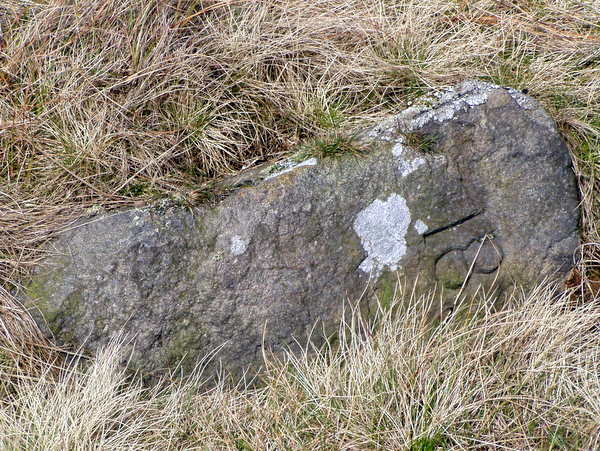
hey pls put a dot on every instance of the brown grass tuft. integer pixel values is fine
(106, 104)
(523, 378)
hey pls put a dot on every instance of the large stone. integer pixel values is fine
(470, 187)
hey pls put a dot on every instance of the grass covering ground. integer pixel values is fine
(525, 378)
(113, 103)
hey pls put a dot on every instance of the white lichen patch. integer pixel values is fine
(421, 227)
(524, 101)
(399, 147)
(385, 131)
(469, 94)
(451, 101)
(382, 228)
(406, 166)
(290, 166)
(238, 245)
(138, 221)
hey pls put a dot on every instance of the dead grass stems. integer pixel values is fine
(107, 104)
(523, 378)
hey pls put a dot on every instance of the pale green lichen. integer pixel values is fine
(186, 344)
(386, 288)
(38, 295)
(451, 279)
(72, 312)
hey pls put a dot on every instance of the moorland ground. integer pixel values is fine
(107, 104)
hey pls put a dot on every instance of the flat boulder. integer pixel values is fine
(471, 187)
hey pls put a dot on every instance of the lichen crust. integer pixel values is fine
(382, 228)
(290, 166)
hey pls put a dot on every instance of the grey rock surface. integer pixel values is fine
(473, 185)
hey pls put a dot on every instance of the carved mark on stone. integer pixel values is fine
(487, 256)
(452, 267)
(453, 224)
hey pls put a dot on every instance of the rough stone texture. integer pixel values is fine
(481, 172)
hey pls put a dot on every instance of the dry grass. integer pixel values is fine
(524, 378)
(107, 103)
(24, 351)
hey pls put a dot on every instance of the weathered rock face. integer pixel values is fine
(476, 186)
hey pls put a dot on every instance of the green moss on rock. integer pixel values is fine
(189, 339)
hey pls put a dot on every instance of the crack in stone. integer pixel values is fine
(453, 224)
